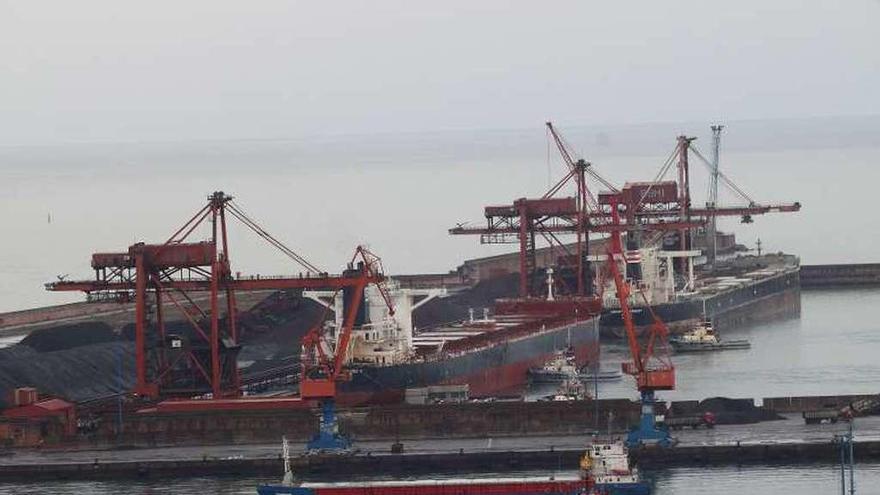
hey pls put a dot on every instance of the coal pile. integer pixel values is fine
(79, 374)
(81, 362)
(62, 337)
(273, 326)
(456, 306)
(282, 318)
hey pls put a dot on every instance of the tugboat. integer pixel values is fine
(703, 338)
(570, 389)
(559, 369)
(608, 466)
(588, 375)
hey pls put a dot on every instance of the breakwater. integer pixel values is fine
(840, 275)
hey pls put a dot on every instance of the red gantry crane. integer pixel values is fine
(324, 368)
(551, 216)
(658, 206)
(203, 362)
(651, 366)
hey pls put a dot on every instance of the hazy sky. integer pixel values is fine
(142, 71)
(275, 75)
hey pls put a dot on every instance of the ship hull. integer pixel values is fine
(622, 489)
(766, 299)
(541, 486)
(497, 369)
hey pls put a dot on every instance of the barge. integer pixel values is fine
(604, 470)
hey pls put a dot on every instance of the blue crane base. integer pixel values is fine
(328, 438)
(647, 432)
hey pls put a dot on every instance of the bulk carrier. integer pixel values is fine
(490, 355)
(737, 291)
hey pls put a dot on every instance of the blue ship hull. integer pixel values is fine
(640, 488)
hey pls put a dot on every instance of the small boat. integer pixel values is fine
(703, 338)
(559, 369)
(608, 466)
(570, 389)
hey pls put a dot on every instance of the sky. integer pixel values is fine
(95, 71)
(385, 122)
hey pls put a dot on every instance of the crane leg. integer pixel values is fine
(647, 432)
(328, 438)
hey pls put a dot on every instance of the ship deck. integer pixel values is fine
(711, 286)
(517, 319)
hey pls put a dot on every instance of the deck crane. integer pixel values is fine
(323, 369)
(651, 370)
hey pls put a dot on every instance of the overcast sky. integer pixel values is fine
(163, 70)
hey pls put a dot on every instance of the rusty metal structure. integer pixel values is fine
(658, 206)
(202, 363)
(651, 365)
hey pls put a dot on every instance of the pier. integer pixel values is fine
(788, 441)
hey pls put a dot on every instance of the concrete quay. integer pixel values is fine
(785, 441)
(840, 276)
(470, 463)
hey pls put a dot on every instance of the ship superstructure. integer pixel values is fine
(609, 467)
(490, 353)
(380, 338)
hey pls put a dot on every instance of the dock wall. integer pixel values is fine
(400, 421)
(842, 275)
(810, 403)
(347, 467)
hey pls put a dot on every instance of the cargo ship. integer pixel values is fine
(604, 470)
(490, 355)
(545, 485)
(738, 291)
